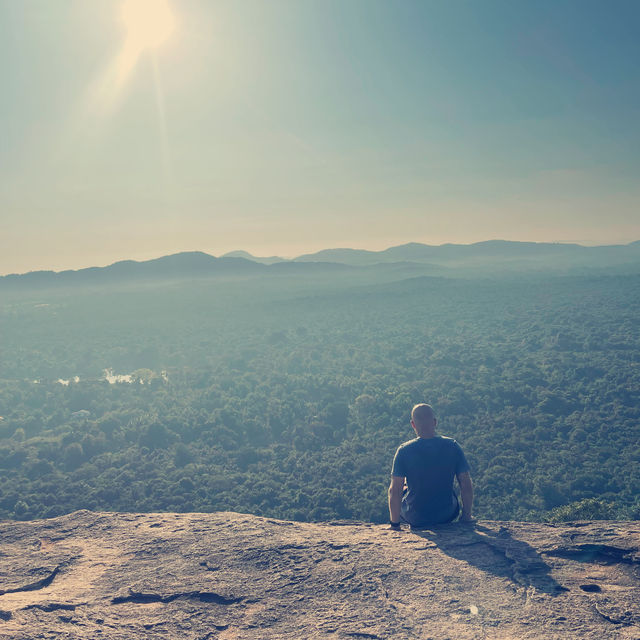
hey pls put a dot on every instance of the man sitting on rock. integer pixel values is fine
(421, 491)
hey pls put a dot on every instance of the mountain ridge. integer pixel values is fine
(245, 254)
(450, 252)
(500, 253)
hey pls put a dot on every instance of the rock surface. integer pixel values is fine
(232, 576)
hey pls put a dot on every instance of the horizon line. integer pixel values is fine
(339, 248)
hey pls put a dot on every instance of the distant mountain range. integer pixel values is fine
(492, 250)
(179, 266)
(484, 258)
(451, 254)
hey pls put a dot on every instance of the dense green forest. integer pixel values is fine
(287, 396)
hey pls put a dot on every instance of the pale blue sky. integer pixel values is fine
(284, 127)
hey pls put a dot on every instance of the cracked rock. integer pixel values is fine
(205, 576)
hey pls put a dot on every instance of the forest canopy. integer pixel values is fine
(287, 396)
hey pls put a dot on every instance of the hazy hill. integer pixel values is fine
(179, 266)
(499, 252)
(248, 256)
(482, 258)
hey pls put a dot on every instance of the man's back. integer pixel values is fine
(429, 466)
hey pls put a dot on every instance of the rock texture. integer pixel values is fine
(231, 576)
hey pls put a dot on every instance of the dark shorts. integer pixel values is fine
(454, 515)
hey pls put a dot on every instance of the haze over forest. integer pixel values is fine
(198, 383)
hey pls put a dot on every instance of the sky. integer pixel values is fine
(290, 126)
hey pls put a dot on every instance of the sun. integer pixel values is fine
(149, 23)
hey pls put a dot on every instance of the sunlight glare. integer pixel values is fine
(149, 23)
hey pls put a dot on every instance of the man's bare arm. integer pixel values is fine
(395, 497)
(466, 493)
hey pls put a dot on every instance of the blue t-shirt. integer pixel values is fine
(429, 466)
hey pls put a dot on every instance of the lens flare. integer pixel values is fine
(149, 23)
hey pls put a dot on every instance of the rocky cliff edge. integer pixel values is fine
(232, 576)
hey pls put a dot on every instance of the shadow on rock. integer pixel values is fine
(494, 551)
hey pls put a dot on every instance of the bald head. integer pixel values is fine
(423, 420)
